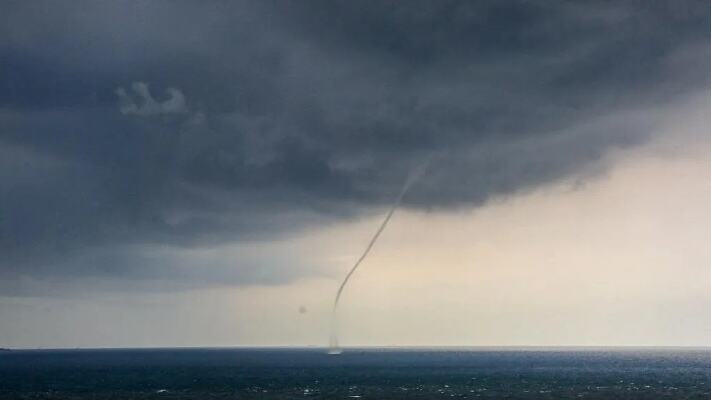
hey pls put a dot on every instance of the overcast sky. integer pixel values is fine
(188, 173)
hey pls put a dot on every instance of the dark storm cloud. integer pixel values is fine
(185, 124)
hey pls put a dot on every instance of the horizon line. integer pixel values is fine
(379, 347)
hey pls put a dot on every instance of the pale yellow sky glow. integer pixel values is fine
(621, 259)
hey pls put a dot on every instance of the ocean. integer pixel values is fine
(275, 373)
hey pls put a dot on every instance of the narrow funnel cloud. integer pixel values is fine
(333, 341)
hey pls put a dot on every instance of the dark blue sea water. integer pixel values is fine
(358, 373)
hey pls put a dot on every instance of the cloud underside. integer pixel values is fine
(183, 125)
(141, 101)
